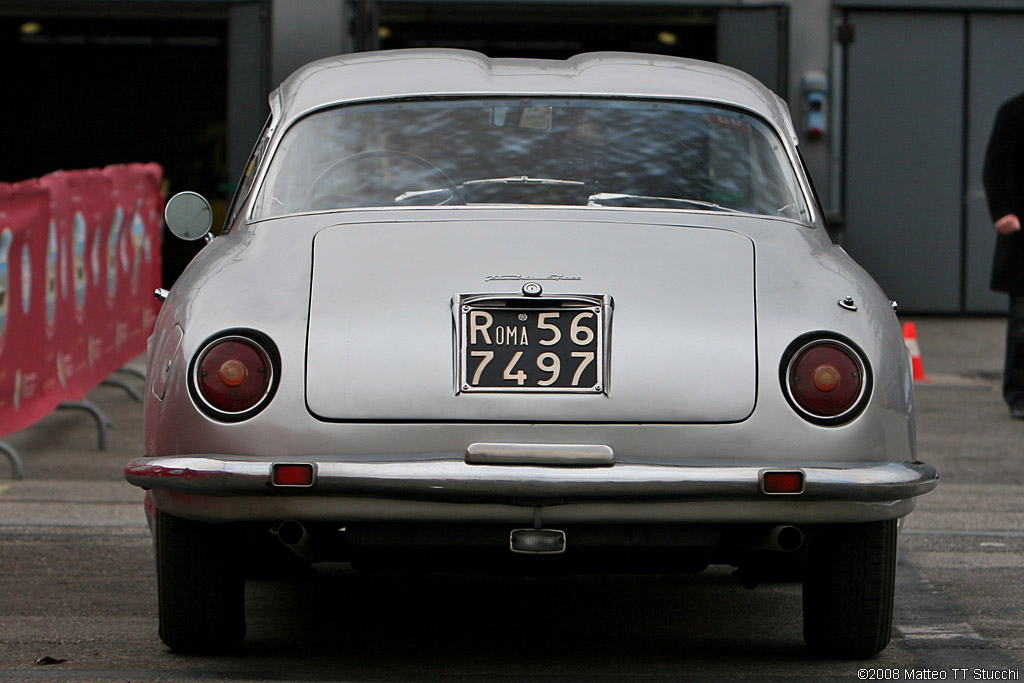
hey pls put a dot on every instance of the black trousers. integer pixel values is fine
(1013, 373)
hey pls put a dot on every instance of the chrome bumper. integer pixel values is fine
(449, 478)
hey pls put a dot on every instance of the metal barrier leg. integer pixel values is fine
(102, 421)
(121, 384)
(135, 372)
(131, 391)
(17, 471)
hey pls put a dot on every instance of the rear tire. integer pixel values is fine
(848, 587)
(201, 592)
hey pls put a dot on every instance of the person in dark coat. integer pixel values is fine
(1003, 177)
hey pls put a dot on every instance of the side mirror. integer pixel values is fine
(188, 215)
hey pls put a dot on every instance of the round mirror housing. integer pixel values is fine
(189, 216)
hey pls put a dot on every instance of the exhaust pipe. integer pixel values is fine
(291, 532)
(294, 535)
(786, 537)
(783, 537)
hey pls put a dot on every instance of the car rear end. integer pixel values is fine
(624, 376)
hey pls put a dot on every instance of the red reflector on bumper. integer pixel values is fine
(782, 482)
(285, 474)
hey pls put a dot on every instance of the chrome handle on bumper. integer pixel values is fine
(539, 454)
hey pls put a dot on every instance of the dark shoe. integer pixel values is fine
(1017, 413)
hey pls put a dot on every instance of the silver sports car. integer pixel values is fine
(536, 316)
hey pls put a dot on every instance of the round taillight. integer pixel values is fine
(233, 377)
(826, 380)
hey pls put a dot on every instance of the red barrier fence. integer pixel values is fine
(79, 260)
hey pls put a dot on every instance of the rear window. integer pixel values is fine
(550, 151)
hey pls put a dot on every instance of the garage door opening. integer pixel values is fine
(548, 31)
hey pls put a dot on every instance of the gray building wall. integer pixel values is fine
(810, 52)
(247, 81)
(305, 30)
(922, 82)
(996, 72)
(267, 40)
(903, 155)
(910, 103)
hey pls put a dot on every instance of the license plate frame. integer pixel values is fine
(553, 344)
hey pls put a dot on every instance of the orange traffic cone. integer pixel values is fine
(910, 339)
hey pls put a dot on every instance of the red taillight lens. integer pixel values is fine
(233, 376)
(826, 379)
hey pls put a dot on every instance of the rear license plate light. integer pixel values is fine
(537, 541)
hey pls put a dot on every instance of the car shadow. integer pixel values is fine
(336, 624)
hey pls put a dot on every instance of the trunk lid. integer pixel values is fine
(385, 327)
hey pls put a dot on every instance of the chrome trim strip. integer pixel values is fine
(447, 477)
(539, 454)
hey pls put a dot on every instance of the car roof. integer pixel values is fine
(389, 74)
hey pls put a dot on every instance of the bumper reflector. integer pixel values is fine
(288, 474)
(782, 482)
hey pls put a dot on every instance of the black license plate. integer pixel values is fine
(550, 348)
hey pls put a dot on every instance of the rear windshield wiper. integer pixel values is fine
(622, 199)
(523, 180)
(510, 180)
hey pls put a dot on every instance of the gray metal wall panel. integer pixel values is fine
(247, 107)
(995, 75)
(304, 30)
(752, 40)
(904, 98)
(936, 5)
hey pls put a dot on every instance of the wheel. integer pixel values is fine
(201, 592)
(849, 580)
